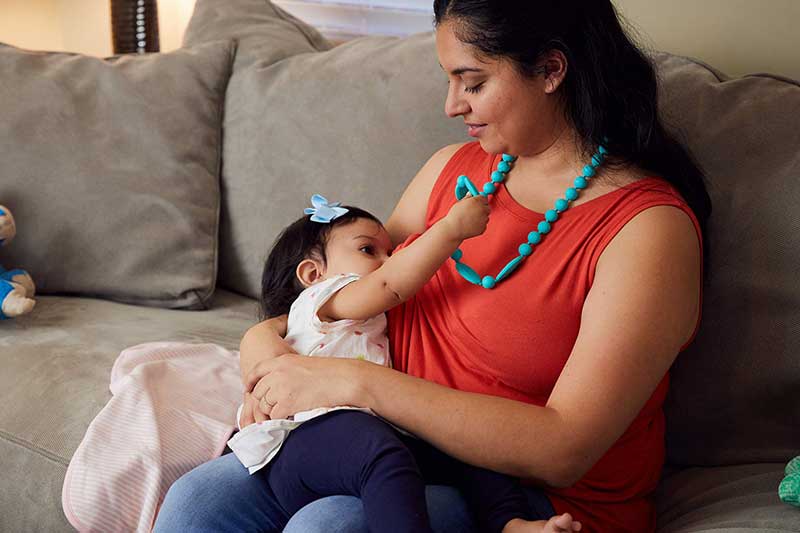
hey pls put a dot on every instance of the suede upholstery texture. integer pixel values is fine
(350, 134)
(265, 32)
(355, 123)
(111, 168)
(56, 371)
(732, 400)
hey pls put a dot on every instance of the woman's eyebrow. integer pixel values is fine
(461, 70)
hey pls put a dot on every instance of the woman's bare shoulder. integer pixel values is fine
(448, 151)
(408, 216)
(433, 167)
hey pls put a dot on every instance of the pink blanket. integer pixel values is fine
(173, 408)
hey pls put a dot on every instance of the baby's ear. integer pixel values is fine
(309, 272)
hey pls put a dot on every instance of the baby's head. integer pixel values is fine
(307, 252)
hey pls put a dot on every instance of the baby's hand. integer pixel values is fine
(469, 216)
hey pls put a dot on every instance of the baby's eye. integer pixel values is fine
(367, 250)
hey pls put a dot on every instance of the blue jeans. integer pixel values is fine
(447, 511)
(222, 496)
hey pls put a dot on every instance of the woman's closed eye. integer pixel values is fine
(474, 88)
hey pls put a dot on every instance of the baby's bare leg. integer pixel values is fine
(558, 524)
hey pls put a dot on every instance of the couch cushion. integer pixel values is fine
(733, 397)
(733, 499)
(354, 124)
(58, 359)
(111, 168)
(56, 371)
(329, 122)
(265, 32)
(30, 490)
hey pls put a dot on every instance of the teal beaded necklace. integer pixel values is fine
(464, 186)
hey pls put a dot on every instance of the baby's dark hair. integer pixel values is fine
(303, 239)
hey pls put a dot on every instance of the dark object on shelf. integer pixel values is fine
(134, 26)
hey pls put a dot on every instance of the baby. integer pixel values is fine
(335, 276)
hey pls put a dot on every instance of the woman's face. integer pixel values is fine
(504, 111)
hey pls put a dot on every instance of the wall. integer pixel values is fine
(85, 26)
(81, 25)
(31, 24)
(736, 36)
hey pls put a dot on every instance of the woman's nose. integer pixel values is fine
(455, 105)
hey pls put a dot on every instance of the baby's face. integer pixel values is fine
(359, 248)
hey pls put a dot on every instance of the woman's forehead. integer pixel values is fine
(456, 57)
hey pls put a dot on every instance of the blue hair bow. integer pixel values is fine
(323, 211)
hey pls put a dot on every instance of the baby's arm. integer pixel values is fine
(405, 272)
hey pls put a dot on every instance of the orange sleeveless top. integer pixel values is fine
(514, 340)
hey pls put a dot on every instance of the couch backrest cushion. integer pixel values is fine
(733, 397)
(265, 33)
(353, 123)
(111, 169)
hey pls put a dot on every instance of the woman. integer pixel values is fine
(558, 374)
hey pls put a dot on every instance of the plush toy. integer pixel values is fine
(789, 489)
(16, 286)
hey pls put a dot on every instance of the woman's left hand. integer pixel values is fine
(291, 383)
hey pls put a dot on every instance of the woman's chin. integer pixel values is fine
(486, 145)
(491, 147)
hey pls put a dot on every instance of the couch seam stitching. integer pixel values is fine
(206, 299)
(33, 448)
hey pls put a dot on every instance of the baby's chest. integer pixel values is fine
(345, 338)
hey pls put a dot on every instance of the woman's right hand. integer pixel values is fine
(251, 414)
(262, 341)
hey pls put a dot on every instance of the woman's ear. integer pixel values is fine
(309, 272)
(555, 70)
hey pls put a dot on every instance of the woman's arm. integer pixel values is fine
(261, 342)
(641, 309)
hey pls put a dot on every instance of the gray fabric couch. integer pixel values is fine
(353, 122)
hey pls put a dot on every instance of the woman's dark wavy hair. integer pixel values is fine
(610, 89)
(302, 239)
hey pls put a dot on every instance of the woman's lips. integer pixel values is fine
(474, 130)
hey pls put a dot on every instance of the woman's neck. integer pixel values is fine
(559, 158)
